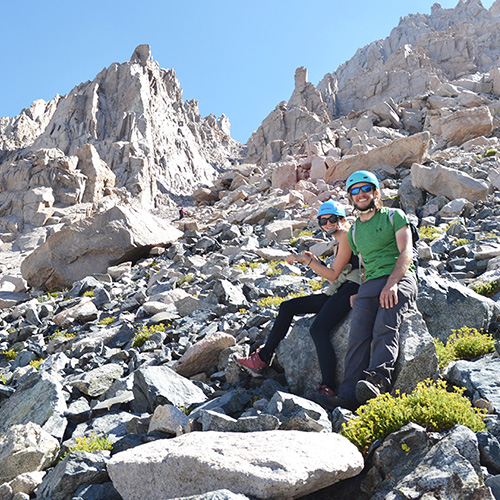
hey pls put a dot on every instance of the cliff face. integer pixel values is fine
(459, 46)
(421, 53)
(134, 115)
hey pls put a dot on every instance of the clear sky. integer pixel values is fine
(236, 57)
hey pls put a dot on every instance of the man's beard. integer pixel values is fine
(369, 208)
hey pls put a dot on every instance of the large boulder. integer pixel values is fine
(160, 385)
(271, 464)
(39, 399)
(480, 377)
(465, 124)
(203, 355)
(439, 180)
(400, 153)
(447, 306)
(91, 245)
(78, 468)
(417, 358)
(26, 448)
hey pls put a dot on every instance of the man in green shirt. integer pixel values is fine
(384, 244)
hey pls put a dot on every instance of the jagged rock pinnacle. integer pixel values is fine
(142, 54)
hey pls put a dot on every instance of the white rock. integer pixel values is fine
(168, 418)
(276, 465)
(279, 230)
(26, 448)
(440, 180)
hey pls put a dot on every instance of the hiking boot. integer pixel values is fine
(337, 401)
(329, 400)
(322, 395)
(370, 388)
(253, 364)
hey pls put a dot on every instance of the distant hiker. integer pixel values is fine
(182, 213)
(385, 249)
(331, 306)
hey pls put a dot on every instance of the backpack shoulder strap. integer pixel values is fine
(353, 237)
(353, 233)
(392, 211)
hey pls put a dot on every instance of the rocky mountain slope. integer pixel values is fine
(136, 346)
(133, 115)
(390, 82)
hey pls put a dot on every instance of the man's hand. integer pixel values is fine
(389, 296)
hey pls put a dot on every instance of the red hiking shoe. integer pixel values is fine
(253, 364)
(323, 395)
(326, 391)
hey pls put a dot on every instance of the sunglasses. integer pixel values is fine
(366, 189)
(323, 221)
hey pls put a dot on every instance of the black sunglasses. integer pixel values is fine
(322, 221)
(366, 189)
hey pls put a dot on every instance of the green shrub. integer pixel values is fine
(305, 232)
(465, 343)
(272, 271)
(316, 285)
(3, 379)
(468, 343)
(66, 335)
(88, 293)
(460, 242)
(48, 296)
(430, 405)
(144, 332)
(245, 266)
(184, 279)
(185, 409)
(107, 321)
(90, 444)
(276, 301)
(486, 288)
(490, 152)
(10, 354)
(271, 301)
(444, 353)
(430, 232)
(36, 363)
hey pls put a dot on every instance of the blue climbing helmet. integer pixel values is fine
(331, 208)
(361, 176)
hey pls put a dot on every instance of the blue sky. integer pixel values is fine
(234, 57)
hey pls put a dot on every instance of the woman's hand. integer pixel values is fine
(309, 258)
(303, 258)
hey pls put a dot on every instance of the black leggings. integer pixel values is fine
(330, 310)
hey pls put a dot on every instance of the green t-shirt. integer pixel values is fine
(376, 243)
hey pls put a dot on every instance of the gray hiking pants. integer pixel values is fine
(374, 330)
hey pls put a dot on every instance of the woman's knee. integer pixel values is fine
(319, 331)
(286, 308)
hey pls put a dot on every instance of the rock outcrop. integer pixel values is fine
(435, 73)
(93, 245)
(133, 115)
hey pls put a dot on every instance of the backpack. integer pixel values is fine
(415, 236)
